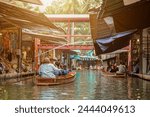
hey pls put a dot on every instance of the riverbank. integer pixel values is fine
(15, 77)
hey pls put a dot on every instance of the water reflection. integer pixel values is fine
(88, 85)
(82, 88)
(116, 89)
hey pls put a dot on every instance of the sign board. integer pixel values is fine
(128, 2)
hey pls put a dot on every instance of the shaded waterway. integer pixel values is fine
(88, 85)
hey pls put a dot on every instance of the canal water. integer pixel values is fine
(89, 85)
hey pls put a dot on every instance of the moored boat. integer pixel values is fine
(63, 79)
(113, 75)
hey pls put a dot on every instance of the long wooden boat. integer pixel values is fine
(113, 75)
(70, 77)
(142, 76)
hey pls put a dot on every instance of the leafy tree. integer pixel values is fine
(71, 6)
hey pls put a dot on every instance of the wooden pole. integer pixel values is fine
(20, 50)
(141, 51)
(147, 68)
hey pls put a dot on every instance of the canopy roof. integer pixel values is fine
(99, 28)
(32, 23)
(32, 1)
(132, 16)
(113, 43)
(45, 37)
(23, 18)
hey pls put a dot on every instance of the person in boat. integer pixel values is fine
(62, 67)
(121, 68)
(57, 63)
(114, 68)
(64, 70)
(136, 68)
(48, 70)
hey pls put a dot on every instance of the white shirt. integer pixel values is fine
(122, 68)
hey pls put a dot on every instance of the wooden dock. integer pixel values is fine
(15, 77)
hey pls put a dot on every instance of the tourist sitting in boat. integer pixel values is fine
(136, 68)
(64, 71)
(121, 68)
(114, 68)
(48, 70)
(57, 63)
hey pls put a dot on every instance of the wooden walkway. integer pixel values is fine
(15, 77)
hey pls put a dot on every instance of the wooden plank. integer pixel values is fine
(32, 1)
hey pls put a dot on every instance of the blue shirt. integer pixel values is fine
(47, 70)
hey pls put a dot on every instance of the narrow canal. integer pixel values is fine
(88, 85)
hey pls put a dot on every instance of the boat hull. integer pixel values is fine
(70, 77)
(113, 75)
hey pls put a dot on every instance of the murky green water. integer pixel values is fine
(88, 85)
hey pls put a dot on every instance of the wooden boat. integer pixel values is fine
(142, 76)
(70, 77)
(113, 75)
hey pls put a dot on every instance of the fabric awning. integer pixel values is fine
(113, 43)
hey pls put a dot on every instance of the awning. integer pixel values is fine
(87, 58)
(132, 16)
(99, 28)
(20, 17)
(32, 1)
(90, 53)
(77, 57)
(136, 16)
(113, 43)
(47, 37)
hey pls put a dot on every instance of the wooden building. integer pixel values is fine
(126, 15)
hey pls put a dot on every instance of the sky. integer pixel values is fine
(45, 4)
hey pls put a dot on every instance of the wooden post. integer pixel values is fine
(147, 68)
(19, 50)
(36, 53)
(141, 51)
(129, 57)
